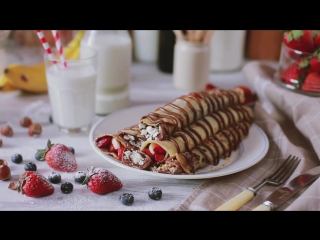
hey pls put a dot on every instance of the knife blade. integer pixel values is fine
(282, 194)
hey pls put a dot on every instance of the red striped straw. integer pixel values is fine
(57, 40)
(46, 46)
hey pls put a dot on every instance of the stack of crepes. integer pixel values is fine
(185, 135)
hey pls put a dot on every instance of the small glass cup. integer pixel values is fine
(72, 88)
(293, 71)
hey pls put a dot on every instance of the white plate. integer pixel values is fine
(251, 150)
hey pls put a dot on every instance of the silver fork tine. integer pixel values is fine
(281, 169)
(287, 169)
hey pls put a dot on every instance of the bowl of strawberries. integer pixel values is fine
(299, 63)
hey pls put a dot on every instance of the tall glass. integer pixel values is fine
(72, 88)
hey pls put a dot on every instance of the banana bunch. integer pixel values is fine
(33, 78)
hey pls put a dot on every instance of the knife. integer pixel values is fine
(282, 194)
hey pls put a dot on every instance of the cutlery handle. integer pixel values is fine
(236, 202)
(262, 207)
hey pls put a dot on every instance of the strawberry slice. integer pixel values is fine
(147, 151)
(301, 40)
(104, 142)
(120, 151)
(111, 148)
(159, 156)
(159, 149)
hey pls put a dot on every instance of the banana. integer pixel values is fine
(33, 78)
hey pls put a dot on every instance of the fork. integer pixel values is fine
(275, 179)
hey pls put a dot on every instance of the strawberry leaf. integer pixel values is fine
(42, 152)
(297, 34)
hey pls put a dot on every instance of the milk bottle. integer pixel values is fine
(114, 68)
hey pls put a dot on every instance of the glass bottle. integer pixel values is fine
(114, 68)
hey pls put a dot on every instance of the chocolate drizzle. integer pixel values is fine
(171, 121)
(227, 122)
(217, 147)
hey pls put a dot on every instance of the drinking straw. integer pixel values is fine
(46, 46)
(57, 40)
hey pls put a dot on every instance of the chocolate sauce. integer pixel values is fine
(233, 136)
(214, 99)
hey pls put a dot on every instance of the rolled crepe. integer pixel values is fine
(129, 138)
(187, 109)
(217, 147)
(188, 138)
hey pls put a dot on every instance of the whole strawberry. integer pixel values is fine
(102, 181)
(295, 74)
(33, 184)
(317, 41)
(59, 157)
(301, 40)
(315, 62)
(312, 82)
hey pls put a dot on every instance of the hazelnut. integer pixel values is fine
(5, 172)
(35, 129)
(7, 131)
(0, 142)
(3, 162)
(25, 122)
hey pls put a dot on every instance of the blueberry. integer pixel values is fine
(79, 176)
(66, 187)
(126, 199)
(71, 149)
(16, 158)
(54, 177)
(30, 166)
(37, 156)
(155, 193)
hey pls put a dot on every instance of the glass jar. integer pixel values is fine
(191, 65)
(294, 71)
(114, 67)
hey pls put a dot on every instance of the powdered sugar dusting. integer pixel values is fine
(59, 157)
(37, 185)
(103, 181)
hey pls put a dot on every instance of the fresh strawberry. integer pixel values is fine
(159, 156)
(58, 157)
(159, 149)
(315, 63)
(33, 184)
(317, 41)
(147, 151)
(102, 181)
(312, 82)
(294, 75)
(210, 86)
(111, 148)
(120, 151)
(104, 142)
(301, 40)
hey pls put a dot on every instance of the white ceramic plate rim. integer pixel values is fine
(251, 150)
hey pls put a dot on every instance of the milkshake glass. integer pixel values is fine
(72, 89)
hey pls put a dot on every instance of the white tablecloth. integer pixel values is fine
(148, 85)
